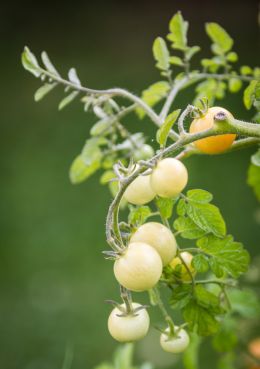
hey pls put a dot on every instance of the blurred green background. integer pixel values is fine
(53, 278)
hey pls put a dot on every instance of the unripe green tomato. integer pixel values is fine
(177, 344)
(143, 153)
(159, 237)
(139, 192)
(169, 177)
(139, 268)
(187, 258)
(128, 328)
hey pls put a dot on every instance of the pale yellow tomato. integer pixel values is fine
(187, 258)
(169, 177)
(128, 328)
(176, 344)
(159, 237)
(140, 192)
(139, 268)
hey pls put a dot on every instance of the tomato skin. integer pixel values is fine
(169, 178)
(128, 328)
(139, 268)
(175, 345)
(214, 144)
(187, 257)
(159, 237)
(139, 192)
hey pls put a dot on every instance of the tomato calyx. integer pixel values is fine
(127, 310)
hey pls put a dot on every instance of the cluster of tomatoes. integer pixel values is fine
(153, 245)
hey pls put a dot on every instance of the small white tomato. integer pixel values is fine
(128, 328)
(139, 268)
(176, 344)
(169, 177)
(159, 237)
(139, 192)
(187, 258)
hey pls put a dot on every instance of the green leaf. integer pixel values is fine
(206, 89)
(30, 62)
(161, 54)
(245, 302)
(232, 57)
(249, 94)
(191, 354)
(73, 77)
(88, 162)
(48, 64)
(245, 70)
(138, 215)
(187, 228)
(163, 132)
(255, 159)
(227, 361)
(200, 263)
(68, 99)
(151, 96)
(207, 217)
(181, 296)
(181, 207)
(80, 171)
(200, 319)
(225, 340)
(225, 255)
(219, 36)
(200, 196)
(253, 179)
(165, 206)
(178, 32)
(207, 299)
(234, 85)
(175, 60)
(106, 177)
(43, 90)
(101, 127)
(192, 51)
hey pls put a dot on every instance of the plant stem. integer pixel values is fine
(164, 312)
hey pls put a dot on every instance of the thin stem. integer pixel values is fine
(110, 92)
(173, 93)
(183, 115)
(164, 312)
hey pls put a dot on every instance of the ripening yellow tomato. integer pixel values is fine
(187, 258)
(139, 268)
(214, 144)
(159, 237)
(169, 177)
(129, 328)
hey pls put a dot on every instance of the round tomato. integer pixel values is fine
(139, 268)
(139, 192)
(169, 177)
(175, 344)
(159, 237)
(214, 144)
(187, 258)
(131, 327)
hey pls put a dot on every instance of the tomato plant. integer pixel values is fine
(188, 248)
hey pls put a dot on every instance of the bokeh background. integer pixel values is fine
(53, 278)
